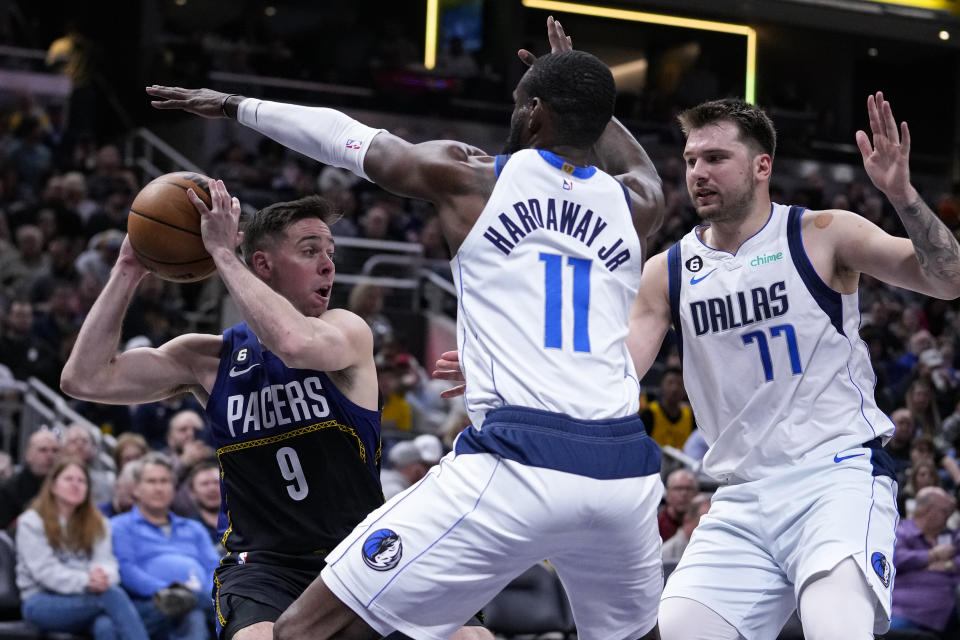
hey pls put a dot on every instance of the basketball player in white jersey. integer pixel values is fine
(763, 297)
(547, 257)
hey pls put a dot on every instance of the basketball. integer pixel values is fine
(164, 228)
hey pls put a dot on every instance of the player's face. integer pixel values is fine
(302, 266)
(720, 172)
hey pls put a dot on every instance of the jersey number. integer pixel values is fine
(291, 470)
(553, 301)
(786, 330)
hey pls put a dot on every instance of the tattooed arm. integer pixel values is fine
(929, 262)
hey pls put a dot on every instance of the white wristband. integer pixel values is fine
(326, 135)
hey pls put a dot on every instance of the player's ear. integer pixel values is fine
(763, 165)
(535, 118)
(261, 265)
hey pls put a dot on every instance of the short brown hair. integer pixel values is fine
(268, 223)
(755, 126)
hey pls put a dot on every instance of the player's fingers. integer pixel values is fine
(875, 127)
(197, 202)
(453, 356)
(889, 122)
(863, 141)
(526, 57)
(453, 392)
(904, 138)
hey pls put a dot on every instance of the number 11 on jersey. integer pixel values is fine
(554, 299)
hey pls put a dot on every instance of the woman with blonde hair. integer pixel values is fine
(66, 571)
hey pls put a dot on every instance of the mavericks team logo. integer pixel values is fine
(881, 567)
(382, 550)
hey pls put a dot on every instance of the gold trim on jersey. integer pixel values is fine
(220, 618)
(297, 432)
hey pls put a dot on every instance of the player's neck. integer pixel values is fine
(574, 155)
(729, 235)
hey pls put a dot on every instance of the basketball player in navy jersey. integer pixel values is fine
(548, 251)
(806, 513)
(291, 394)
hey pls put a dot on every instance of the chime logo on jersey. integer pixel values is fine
(694, 264)
(382, 550)
(881, 567)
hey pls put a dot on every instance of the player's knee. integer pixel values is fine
(472, 633)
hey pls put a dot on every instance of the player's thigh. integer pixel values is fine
(611, 568)
(242, 618)
(728, 570)
(839, 604)
(430, 558)
(685, 619)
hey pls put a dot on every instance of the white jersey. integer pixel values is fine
(545, 281)
(773, 362)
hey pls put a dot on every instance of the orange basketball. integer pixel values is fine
(164, 227)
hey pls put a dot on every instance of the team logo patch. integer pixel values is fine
(382, 550)
(881, 567)
(694, 264)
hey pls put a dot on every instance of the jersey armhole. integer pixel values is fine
(674, 260)
(500, 162)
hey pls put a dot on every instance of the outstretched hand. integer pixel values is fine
(219, 224)
(559, 41)
(203, 102)
(448, 368)
(887, 159)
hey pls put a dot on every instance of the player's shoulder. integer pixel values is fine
(194, 344)
(829, 220)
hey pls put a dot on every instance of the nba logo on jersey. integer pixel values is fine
(382, 550)
(242, 557)
(568, 185)
(354, 144)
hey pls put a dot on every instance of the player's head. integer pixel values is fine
(289, 246)
(565, 98)
(729, 157)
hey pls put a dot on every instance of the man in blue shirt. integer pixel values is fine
(157, 549)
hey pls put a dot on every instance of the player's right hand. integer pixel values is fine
(202, 102)
(127, 259)
(448, 368)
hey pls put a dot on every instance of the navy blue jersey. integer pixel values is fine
(299, 462)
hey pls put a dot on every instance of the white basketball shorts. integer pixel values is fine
(763, 541)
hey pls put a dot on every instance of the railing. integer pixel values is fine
(44, 407)
(147, 149)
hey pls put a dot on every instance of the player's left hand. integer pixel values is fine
(448, 368)
(887, 159)
(219, 224)
(559, 41)
(202, 102)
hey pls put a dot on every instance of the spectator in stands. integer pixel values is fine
(899, 444)
(161, 553)
(919, 400)
(152, 419)
(29, 156)
(66, 571)
(62, 316)
(899, 370)
(203, 484)
(408, 464)
(75, 195)
(919, 476)
(101, 253)
(183, 447)
(396, 413)
(681, 489)
(123, 493)
(16, 493)
(428, 409)
(79, 443)
(669, 420)
(28, 264)
(6, 466)
(672, 549)
(927, 559)
(129, 447)
(366, 300)
(25, 354)
(109, 175)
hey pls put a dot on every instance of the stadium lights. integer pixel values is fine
(671, 21)
(430, 45)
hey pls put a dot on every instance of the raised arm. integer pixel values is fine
(649, 315)
(929, 262)
(94, 370)
(618, 153)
